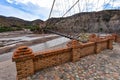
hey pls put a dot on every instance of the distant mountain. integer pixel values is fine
(16, 22)
(107, 20)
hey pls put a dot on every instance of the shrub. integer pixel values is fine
(5, 29)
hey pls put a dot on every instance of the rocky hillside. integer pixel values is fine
(16, 22)
(107, 21)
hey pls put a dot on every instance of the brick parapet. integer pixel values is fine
(81, 49)
(23, 56)
(118, 39)
(110, 43)
(114, 36)
(27, 63)
(52, 58)
(52, 52)
(22, 53)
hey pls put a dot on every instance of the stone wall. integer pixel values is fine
(28, 62)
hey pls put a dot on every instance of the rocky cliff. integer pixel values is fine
(106, 21)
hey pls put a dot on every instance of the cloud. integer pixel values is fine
(11, 11)
(40, 3)
(41, 8)
(10, 1)
(115, 3)
(62, 6)
(42, 12)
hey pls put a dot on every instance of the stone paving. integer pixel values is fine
(102, 66)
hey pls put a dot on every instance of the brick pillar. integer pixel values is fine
(23, 57)
(110, 43)
(118, 38)
(76, 51)
(97, 45)
(114, 36)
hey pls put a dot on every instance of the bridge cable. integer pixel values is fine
(51, 9)
(79, 7)
(70, 8)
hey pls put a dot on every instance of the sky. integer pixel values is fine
(40, 9)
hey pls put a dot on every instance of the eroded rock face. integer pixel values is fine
(108, 20)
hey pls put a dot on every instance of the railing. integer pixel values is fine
(61, 34)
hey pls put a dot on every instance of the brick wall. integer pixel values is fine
(52, 58)
(80, 50)
(28, 62)
(118, 39)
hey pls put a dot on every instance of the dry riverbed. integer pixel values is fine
(12, 40)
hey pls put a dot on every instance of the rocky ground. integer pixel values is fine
(102, 66)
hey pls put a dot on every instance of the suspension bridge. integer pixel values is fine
(64, 8)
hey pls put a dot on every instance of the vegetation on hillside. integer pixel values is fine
(5, 29)
(13, 24)
(31, 28)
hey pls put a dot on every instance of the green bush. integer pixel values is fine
(5, 29)
(32, 28)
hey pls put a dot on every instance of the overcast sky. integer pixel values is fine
(40, 9)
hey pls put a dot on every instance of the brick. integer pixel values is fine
(23, 56)
(27, 63)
